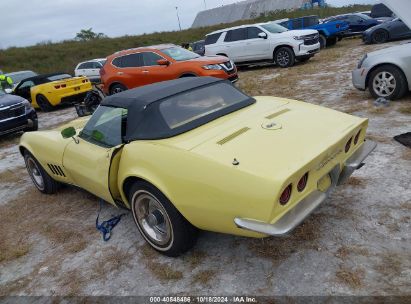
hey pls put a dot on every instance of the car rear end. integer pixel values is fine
(69, 90)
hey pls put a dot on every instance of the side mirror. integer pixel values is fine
(262, 35)
(68, 132)
(163, 62)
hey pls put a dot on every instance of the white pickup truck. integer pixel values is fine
(263, 42)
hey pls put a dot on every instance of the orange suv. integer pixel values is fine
(141, 66)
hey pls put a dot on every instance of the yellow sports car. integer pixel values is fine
(197, 153)
(49, 90)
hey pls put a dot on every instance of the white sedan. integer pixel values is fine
(90, 69)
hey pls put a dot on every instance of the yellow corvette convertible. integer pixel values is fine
(197, 153)
(49, 90)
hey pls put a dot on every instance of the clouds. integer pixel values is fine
(29, 22)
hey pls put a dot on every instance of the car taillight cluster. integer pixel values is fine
(286, 194)
(337, 26)
(84, 80)
(350, 142)
(60, 86)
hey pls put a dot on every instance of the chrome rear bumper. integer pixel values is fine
(305, 207)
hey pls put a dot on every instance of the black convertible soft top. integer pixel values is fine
(144, 119)
(41, 79)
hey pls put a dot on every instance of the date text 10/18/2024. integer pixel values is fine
(203, 299)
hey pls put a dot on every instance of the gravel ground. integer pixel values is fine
(357, 243)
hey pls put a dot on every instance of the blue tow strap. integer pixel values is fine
(107, 226)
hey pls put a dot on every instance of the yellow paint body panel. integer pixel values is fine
(74, 86)
(275, 141)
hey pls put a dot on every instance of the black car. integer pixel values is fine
(357, 22)
(16, 114)
(387, 31)
(198, 47)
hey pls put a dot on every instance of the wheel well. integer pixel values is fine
(380, 65)
(188, 74)
(113, 84)
(22, 150)
(282, 45)
(129, 181)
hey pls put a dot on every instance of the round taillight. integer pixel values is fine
(357, 137)
(286, 195)
(348, 145)
(302, 183)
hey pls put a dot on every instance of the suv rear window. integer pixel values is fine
(211, 39)
(236, 35)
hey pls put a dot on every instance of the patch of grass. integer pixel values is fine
(345, 251)
(379, 138)
(379, 110)
(13, 176)
(161, 271)
(204, 277)
(10, 251)
(406, 154)
(405, 109)
(357, 182)
(350, 277)
(194, 258)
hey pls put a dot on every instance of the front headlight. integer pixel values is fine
(212, 67)
(298, 37)
(362, 61)
(27, 105)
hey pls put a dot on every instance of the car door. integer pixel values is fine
(256, 48)
(156, 72)
(24, 89)
(92, 158)
(234, 44)
(132, 72)
(94, 72)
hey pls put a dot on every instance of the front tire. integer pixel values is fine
(159, 222)
(41, 179)
(284, 57)
(323, 41)
(44, 103)
(380, 36)
(387, 81)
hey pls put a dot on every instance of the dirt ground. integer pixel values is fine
(357, 243)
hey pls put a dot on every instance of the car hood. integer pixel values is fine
(273, 135)
(402, 48)
(293, 33)
(9, 100)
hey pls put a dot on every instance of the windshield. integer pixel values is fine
(184, 108)
(274, 28)
(19, 76)
(180, 54)
(364, 16)
(59, 77)
(102, 62)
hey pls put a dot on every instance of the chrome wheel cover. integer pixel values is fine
(35, 173)
(384, 84)
(152, 220)
(283, 58)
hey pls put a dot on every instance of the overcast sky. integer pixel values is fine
(27, 22)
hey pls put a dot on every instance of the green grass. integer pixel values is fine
(64, 56)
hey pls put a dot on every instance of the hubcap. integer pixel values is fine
(283, 58)
(380, 36)
(384, 84)
(35, 173)
(152, 218)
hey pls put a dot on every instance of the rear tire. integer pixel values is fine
(34, 127)
(387, 81)
(380, 36)
(159, 222)
(117, 88)
(44, 103)
(323, 41)
(284, 57)
(41, 179)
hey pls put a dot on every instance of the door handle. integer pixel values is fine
(145, 71)
(120, 73)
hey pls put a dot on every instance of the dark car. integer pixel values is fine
(387, 31)
(16, 114)
(357, 22)
(198, 47)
